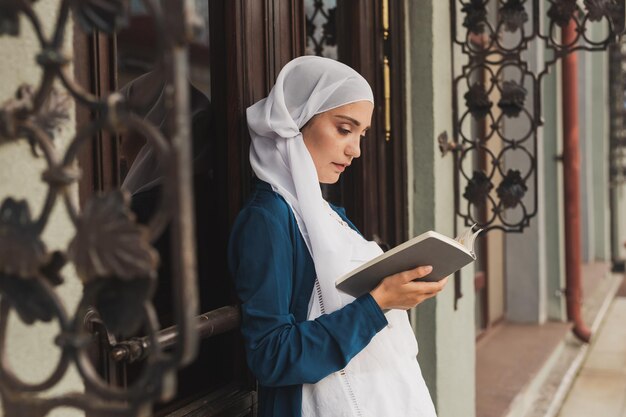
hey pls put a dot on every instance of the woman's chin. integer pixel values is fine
(330, 180)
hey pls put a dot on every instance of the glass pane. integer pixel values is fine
(142, 81)
(321, 28)
(139, 78)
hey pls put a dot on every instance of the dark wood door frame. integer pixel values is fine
(252, 40)
(374, 192)
(95, 58)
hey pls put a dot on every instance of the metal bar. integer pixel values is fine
(209, 324)
(183, 242)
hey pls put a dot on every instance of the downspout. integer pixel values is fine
(571, 184)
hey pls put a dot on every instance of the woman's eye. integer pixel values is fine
(343, 131)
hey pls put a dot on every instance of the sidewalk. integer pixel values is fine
(599, 389)
(528, 370)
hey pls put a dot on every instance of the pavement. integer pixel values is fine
(599, 388)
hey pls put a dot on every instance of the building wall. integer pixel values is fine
(594, 139)
(587, 141)
(599, 114)
(525, 259)
(619, 213)
(445, 335)
(553, 194)
(31, 350)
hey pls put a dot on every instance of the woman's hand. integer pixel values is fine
(401, 291)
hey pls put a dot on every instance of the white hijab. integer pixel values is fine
(384, 379)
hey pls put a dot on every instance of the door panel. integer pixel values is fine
(373, 190)
(234, 63)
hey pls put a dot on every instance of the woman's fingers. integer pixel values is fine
(416, 273)
(405, 289)
(425, 287)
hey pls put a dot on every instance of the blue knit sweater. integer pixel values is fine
(274, 278)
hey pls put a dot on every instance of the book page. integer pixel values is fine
(468, 237)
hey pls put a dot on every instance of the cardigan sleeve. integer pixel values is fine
(281, 351)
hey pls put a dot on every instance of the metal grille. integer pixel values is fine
(321, 29)
(497, 98)
(110, 251)
(617, 81)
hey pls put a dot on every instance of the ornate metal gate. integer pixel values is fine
(497, 38)
(112, 254)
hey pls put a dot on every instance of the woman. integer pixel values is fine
(316, 351)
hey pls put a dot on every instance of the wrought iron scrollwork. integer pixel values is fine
(111, 252)
(617, 149)
(497, 99)
(321, 28)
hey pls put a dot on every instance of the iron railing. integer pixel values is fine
(111, 252)
(497, 98)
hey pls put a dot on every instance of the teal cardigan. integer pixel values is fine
(274, 278)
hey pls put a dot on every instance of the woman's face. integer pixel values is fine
(333, 138)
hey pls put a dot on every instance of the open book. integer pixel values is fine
(444, 254)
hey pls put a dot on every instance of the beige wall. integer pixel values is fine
(445, 335)
(31, 350)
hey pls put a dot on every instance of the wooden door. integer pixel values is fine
(234, 63)
(368, 36)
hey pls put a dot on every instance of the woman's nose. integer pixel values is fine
(353, 149)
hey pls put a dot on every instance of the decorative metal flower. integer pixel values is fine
(104, 15)
(10, 17)
(330, 28)
(28, 297)
(478, 188)
(512, 99)
(477, 101)
(562, 11)
(115, 260)
(51, 270)
(597, 9)
(24, 264)
(475, 16)
(54, 112)
(22, 252)
(14, 110)
(512, 189)
(108, 242)
(513, 15)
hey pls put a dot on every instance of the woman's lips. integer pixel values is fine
(339, 167)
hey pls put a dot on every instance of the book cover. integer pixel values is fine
(444, 254)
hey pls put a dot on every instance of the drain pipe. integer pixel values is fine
(571, 185)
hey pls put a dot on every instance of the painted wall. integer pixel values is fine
(594, 138)
(446, 336)
(619, 212)
(600, 136)
(525, 259)
(553, 194)
(31, 350)
(586, 161)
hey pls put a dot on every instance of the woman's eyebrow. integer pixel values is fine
(350, 119)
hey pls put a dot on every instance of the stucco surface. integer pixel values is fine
(445, 335)
(31, 350)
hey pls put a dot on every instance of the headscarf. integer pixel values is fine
(384, 378)
(306, 86)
